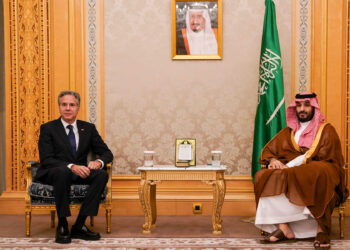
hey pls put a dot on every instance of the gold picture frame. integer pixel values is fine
(194, 14)
(182, 145)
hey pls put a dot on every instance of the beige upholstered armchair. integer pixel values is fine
(40, 197)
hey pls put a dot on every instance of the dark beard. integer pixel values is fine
(308, 118)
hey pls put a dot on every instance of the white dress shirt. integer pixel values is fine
(300, 159)
(75, 130)
(76, 134)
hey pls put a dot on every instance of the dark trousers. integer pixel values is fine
(61, 179)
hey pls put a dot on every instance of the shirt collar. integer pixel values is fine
(74, 124)
(304, 124)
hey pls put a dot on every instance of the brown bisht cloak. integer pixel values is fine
(319, 183)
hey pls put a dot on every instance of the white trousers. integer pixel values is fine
(278, 209)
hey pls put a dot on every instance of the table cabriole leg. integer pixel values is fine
(219, 189)
(153, 189)
(144, 193)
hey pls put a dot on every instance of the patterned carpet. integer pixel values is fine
(159, 243)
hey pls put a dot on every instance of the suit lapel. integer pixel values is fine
(82, 136)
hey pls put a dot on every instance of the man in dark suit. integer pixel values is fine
(64, 145)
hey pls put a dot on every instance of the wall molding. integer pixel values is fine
(26, 83)
(173, 198)
(301, 45)
(94, 60)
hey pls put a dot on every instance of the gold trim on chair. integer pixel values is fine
(341, 208)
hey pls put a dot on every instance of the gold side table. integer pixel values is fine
(150, 176)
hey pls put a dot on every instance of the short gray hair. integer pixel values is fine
(69, 92)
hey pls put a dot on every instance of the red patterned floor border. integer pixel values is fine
(160, 243)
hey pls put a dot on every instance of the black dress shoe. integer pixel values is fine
(84, 233)
(62, 235)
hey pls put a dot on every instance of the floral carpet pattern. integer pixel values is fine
(160, 243)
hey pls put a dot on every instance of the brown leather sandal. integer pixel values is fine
(281, 238)
(322, 239)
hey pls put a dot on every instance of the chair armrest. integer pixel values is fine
(29, 166)
(33, 164)
(109, 183)
(346, 172)
(109, 167)
(346, 169)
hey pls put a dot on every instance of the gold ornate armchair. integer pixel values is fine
(40, 197)
(341, 207)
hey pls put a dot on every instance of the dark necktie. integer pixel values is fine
(71, 138)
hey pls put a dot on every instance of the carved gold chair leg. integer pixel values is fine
(52, 213)
(108, 220)
(341, 221)
(28, 221)
(92, 221)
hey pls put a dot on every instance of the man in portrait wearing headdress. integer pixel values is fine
(304, 179)
(198, 38)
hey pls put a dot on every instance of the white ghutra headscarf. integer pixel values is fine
(203, 42)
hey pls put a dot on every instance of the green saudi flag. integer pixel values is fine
(270, 114)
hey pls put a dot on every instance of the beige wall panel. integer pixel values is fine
(151, 100)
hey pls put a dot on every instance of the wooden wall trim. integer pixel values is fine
(102, 80)
(26, 83)
(7, 56)
(346, 86)
(324, 40)
(173, 198)
(301, 46)
(72, 50)
(94, 62)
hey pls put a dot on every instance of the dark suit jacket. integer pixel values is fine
(55, 149)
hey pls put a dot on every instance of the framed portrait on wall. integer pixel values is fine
(196, 29)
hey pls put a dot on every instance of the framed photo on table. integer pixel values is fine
(185, 152)
(196, 29)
